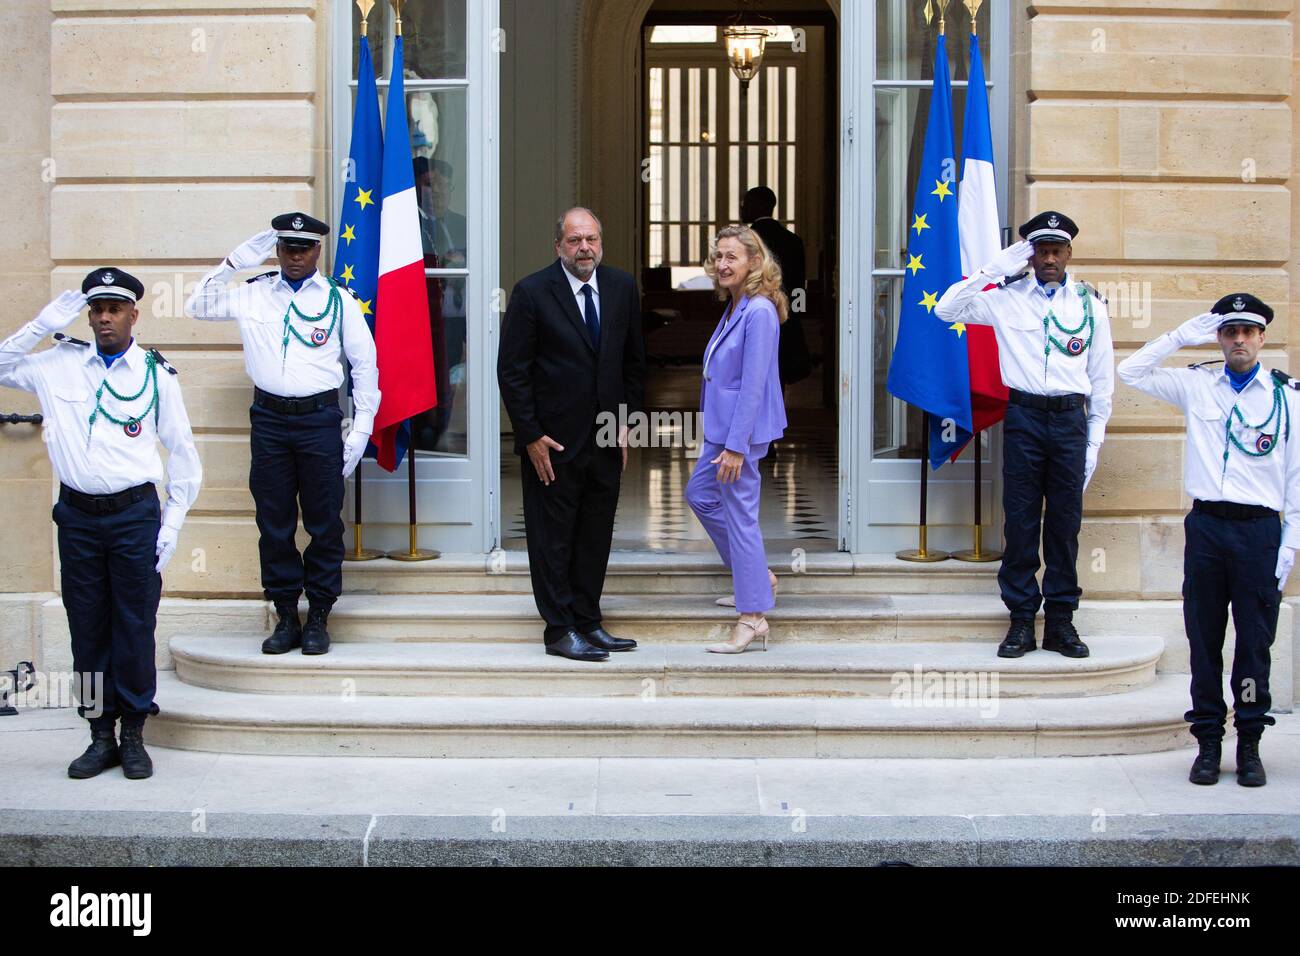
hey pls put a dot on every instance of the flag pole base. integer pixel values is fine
(977, 554)
(360, 554)
(923, 554)
(414, 553)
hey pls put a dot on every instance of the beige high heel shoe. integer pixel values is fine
(730, 599)
(734, 646)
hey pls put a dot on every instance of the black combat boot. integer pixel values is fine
(1019, 640)
(136, 764)
(315, 639)
(1250, 769)
(288, 633)
(1060, 636)
(1205, 770)
(99, 756)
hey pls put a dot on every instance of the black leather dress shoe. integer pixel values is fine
(288, 633)
(99, 756)
(1019, 640)
(575, 647)
(1205, 769)
(136, 764)
(608, 642)
(1250, 769)
(315, 638)
(1060, 636)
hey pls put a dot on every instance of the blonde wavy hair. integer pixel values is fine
(764, 273)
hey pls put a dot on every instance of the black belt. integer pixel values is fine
(294, 406)
(106, 504)
(1233, 511)
(1048, 403)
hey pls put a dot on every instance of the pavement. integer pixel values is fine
(227, 808)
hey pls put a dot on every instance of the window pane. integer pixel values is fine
(444, 429)
(905, 44)
(440, 143)
(901, 115)
(433, 39)
(896, 425)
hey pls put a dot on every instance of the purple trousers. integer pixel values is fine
(729, 514)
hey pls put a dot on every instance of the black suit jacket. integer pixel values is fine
(788, 249)
(552, 381)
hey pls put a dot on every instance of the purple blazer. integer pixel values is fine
(741, 394)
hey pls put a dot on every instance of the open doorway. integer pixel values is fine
(706, 142)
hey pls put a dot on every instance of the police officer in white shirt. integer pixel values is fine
(106, 407)
(1241, 470)
(297, 326)
(1055, 351)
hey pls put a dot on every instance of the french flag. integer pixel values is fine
(978, 228)
(403, 339)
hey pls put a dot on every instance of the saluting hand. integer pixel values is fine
(1202, 330)
(539, 453)
(253, 252)
(61, 313)
(1011, 260)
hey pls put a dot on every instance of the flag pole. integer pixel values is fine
(414, 552)
(924, 554)
(358, 552)
(977, 554)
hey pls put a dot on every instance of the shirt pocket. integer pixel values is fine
(1208, 414)
(1022, 323)
(71, 396)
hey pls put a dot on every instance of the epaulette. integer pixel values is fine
(158, 357)
(1010, 279)
(264, 275)
(69, 340)
(350, 291)
(1093, 289)
(1206, 364)
(1285, 380)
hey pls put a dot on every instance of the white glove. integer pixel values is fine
(1202, 330)
(1010, 261)
(1090, 465)
(354, 449)
(167, 539)
(61, 313)
(254, 252)
(1285, 562)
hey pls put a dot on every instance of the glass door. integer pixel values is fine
(451, 86)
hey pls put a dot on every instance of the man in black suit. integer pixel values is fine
(571, 350)
(756, 209)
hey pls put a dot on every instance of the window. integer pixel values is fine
(904, 74)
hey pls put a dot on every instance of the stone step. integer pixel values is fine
(640, 572)
(695, 619)
(893, 670)
(1144, 720)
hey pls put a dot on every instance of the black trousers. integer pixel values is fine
(1228, 562)
(1043, 461)
(298, 461)
(111, 594)
(570, 527)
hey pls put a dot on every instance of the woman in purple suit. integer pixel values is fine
(743, 412)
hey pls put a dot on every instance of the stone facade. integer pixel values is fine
(161, 133)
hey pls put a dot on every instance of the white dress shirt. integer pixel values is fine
(1018, 311)
(1206, 398)
(259, 307)
(105, 460)
(576, 285)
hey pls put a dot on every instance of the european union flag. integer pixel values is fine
(930, 369)
(356, 258)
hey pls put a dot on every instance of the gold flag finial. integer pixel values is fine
(929, 12)
(365, 6)
(974, 7)
(397, 11)
(943, 9)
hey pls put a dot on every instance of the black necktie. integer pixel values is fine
(593, 322)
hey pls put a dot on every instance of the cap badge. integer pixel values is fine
(298, 223)
(108, 278)
(1239, 304)
(1053, 222)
